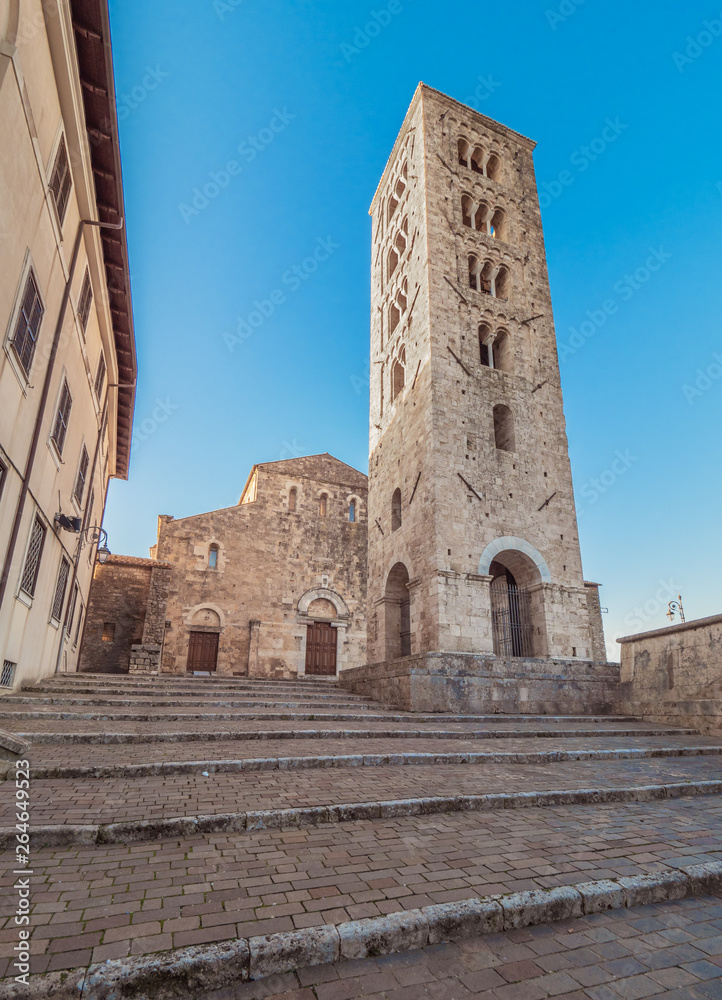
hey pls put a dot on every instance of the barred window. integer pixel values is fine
(79, 491)
(60, 181)
(8, 674)
(86, 300)
(32, 559)
(100, 375)
(62, 416)
(27, 325)
(60, 586)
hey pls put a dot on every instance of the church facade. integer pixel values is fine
(274, 586)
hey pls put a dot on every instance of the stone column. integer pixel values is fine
(255, 629)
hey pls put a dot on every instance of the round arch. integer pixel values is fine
(205, 607)
(323, 593)
(517, 544)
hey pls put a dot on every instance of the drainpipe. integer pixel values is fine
(43, 402)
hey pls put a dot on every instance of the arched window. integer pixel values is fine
(394, 317)
(502, 284)
(292, 495)
(463, 152)
(398, 375)
(400, 243)
(393, 205)
(486, 280)
(477, 162)
(493, 167)
(480, 218)
(503, 352)
(392, 262)
(352, 511)
(474, 268)
(323, 504)
(504, 428)
(467, 208)
(401, 299)
(486, 351)
(396, 510)
(213, 557)
(497, 226)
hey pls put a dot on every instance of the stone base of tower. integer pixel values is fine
(469, 683)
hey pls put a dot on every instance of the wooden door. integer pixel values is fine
(321, 649)
(202, 651)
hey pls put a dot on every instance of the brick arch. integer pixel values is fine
(319, 593)
(513, 542)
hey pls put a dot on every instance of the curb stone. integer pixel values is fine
(365, 760)
(183, 972)
(274, 819)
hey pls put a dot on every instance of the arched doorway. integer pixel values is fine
(511, 620)
(398, 613)
(517, 600)
(321, 639)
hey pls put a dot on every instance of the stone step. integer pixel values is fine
(156, 806)
(174, 759)
(170, 702)
(158, 680)
(111, 902)
(186, 736)
(203, 684)
(19, 712)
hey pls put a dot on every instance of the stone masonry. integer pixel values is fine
(469, 468)
(292, 552)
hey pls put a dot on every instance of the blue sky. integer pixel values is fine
(304, 100)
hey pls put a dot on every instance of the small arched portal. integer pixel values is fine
(398, 613)
(517, 605)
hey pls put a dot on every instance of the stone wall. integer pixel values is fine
(674, 674)
(278, 565)
(465, 683)
(119, 601)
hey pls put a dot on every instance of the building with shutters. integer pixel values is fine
(67, 360)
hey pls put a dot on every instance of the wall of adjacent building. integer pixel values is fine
(41, 105)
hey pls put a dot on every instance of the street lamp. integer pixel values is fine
(99, 535)
(675, 606)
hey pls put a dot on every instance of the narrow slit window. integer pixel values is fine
(79, 491)
(292, 498)
(352, 511)
(100, 375)
(213, 557)
(108, 632)
(86, 300)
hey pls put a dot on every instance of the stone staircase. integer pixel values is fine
(229, 828)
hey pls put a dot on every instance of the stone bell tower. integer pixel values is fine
(473, 545)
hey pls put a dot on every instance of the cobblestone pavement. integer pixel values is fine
(95, 903)
(109, 800)
(90, 755)
(669, 951)
(112, 901)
